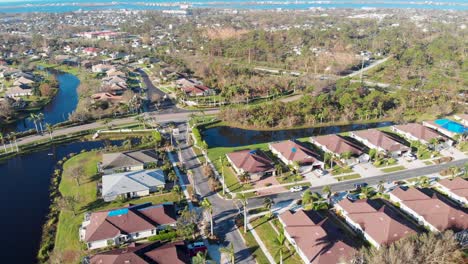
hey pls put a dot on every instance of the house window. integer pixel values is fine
(137, 234)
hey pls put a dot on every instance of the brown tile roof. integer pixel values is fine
(381, 139)
(252, 161)
(338, 144)
(119, 256)
(135, 218)
(380, 222)
(419, 131)
(458, 186)
(319, 239)
(195, 89)
(170, 253)
(294, 151)
(435, 210)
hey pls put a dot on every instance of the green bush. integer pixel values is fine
(391, 161)
(163, 236)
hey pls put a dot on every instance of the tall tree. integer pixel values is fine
(230, 252)
(208, 207)
(280, 242)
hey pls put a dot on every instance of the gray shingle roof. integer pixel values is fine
(120, 183)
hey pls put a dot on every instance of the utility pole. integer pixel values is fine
(362, 67)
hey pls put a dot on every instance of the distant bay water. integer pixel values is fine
(19, 6)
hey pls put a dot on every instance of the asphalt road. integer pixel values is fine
(349, 185)
(161, 117)
(224, 211)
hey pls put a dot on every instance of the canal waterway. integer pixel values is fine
(226, 136)
(24, 203)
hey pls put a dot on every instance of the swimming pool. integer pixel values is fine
(451, 126)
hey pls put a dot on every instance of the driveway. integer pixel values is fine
(224, 211)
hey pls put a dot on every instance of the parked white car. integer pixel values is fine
(295, 189)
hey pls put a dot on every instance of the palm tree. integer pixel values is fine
(13, 138)
(423, 182)
(366, 192)
(2, 139)
(33, 118)
(207, 206)
(40, 118)
(454, 170)
(49, 129)
(243, 201)
(327, 191)
(223, 162)
(381, 187)
(200, 258)
(172, 177)
(280, 242)
(268, 203)
(229, 251)
(279, 169)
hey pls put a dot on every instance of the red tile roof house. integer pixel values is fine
(463, 118)
(433, 212)
(91, 51)
(317, 240)
(418, 132)
(338, 146)
(122, 225)
(169, 253)
(256, 163)
(197, 90)
(383, 142)
(456, 189)
(291, 152)
(379, 223)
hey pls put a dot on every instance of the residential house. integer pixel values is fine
(317, 240)
(463, 118)
(132, 184)
(167, 253)
(101, 68)
(23, 82)
(456, 189)
(432, 211)
(127, 161)
(254, 162)
(197, 90)
(290, 152)
(446, 127)
(119, 226)
(379, 223)
(106, 97)
(338, 146)
(423, 134)
(381, 141)
(90, 51)
(17, 91)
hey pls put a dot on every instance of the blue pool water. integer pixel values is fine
(451, 126)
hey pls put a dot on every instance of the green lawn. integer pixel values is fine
(337, 170)
(392, 169)
(348, 177)
(268, 235)
(428, 162)
(253, 247)
(66, 240)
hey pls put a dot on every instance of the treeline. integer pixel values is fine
(347, 102)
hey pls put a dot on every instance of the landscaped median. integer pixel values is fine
(83, 190)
